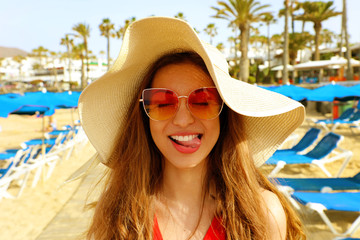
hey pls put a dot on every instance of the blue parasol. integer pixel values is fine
(331, 92)
(294, 92)
(7, 106)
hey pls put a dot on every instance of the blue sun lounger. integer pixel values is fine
(319, 184)
(318, 156)
(306, 141)
(338, 201)
(7, 173)
(348, 113)
(7, 155)
(325, 123)
(353, 121)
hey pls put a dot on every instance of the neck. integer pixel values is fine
(184, 186)
(183, 210)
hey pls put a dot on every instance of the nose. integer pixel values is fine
(183, 116)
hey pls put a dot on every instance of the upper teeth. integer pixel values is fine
(184, 138)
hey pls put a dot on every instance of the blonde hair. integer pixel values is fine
(125, 209)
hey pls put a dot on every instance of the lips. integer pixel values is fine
(186, 143)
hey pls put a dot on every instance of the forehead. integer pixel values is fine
(181, 78)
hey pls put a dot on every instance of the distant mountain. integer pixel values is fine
(11, 52)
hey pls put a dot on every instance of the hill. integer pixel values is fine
(11, 52)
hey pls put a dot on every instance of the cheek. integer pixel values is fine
(215, 128)
(212, 131)
(155, 130)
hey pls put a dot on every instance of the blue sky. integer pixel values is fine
(29, 24)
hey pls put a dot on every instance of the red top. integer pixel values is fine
(216, 231)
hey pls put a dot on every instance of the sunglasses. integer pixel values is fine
(162, 104)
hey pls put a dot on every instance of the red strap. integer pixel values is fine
(156, 230)
(216, 231)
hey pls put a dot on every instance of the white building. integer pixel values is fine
(49, 69)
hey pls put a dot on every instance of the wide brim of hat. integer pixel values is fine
(269, 117)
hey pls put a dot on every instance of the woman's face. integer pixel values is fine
(184, 140)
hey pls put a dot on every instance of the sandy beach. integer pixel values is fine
(50, 208)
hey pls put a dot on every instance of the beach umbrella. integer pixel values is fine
(18, 104)
(12, 95)
(271, 88)
(41, 103)
(7, 106)
(331, 92)
(71, 96)
(295, 92)
(48, 99)
(355, 87)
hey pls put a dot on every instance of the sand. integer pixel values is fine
(49, 211)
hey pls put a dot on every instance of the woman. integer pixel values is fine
(183, 141)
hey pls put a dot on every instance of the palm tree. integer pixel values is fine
(211, 30)
(69, 43)
(40, 53)
(294, 5)
(180, 15)
(277, 40)
(235, 40)
(121, 32)
(326, 37)
(349, 71)
(83, 31)
(268, 19)
(54, 56)
(78, 53)
(107, 30)
(285, 62)
(220, 47)
(241, 13)
(297, 41)
(317, 12)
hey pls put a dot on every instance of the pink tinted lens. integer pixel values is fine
(160, 104)
(205, 103)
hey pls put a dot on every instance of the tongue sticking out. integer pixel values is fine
(194, 143)
(186, 144)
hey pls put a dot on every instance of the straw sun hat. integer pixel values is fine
(269, 117)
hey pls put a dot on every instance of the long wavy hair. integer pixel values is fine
(125, 210)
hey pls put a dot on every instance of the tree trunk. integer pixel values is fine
(302, 33)
(244, 61)
(268, 53)
(87, 62)
(56, 82)
(341, 38)
(285, 76)
(349, 71)
(108, 52)
(317, 28)
(69, 61)
(83, 79)
(292, 17)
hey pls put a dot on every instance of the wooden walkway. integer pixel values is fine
(72, 220)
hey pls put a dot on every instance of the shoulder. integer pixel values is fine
(275, 215)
